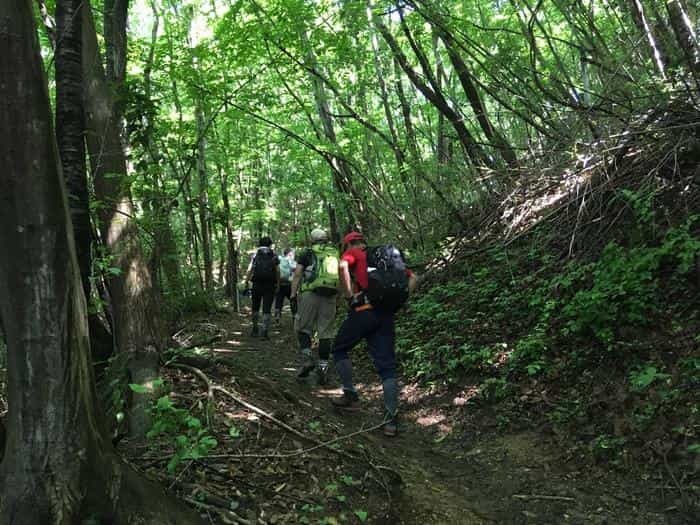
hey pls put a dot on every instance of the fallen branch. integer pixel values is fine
(281, 424)
(227, 516)
(298, 452)
(201, 375)
(317, 444)
(542, 496)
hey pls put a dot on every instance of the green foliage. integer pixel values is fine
(607, 448)
(642, 377)
(185, 432)
(496, 388)
(198, 301)
(504, 323)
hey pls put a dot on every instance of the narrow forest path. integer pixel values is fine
(439, 469)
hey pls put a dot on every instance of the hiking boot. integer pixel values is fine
(304, 370)
(349, 401)
(322, 373)
(391, 427)
(305, 367)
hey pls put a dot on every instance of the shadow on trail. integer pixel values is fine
(297, 460)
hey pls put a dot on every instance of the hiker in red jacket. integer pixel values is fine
(376, 283)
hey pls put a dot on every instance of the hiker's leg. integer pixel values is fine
(325, 320)
(292, 304)
(357, 326)
(268, 297)
(284, 291)
(303, 326)
(381, 347)
(256, 299)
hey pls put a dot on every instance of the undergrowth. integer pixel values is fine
(612, 335)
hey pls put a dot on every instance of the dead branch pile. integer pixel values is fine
(581, 204)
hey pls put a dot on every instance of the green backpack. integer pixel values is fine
(321, 276)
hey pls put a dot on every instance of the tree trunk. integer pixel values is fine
(442, 150)
(203, 200)
(231, 253)
(193, 232)
(636, 10)
(137, 325)
(415, 150)
(70, 126)
(472, 150)
(57, 467)
(685, 34)
(342, 173)
(478, 107)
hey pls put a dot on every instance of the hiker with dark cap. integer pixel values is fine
(264, 273)
(287, 267)
(376, 283)
(315, 288)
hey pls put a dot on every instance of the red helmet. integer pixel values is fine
(353, 236)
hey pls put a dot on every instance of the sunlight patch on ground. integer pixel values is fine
(242, 414)
(435, 419)
(224, 350)
(465, 396)
(430, 419)
(414, 394)
(326, 393)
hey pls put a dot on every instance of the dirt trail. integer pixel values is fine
(435, 471)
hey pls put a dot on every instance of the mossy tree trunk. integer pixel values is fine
(57, 465)
(138, 327)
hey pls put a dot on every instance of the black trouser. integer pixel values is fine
(377, 328)
(285, 290)
(263, 293)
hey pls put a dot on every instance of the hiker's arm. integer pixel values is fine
(345, 280)
(296, 279)
(412, 282)
(249, 271)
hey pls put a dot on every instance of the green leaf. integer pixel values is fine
(139, 389)
(164, 403)
(361, 515)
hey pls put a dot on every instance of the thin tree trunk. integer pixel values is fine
(231, 250)
(471, 149)
(402, 166)
(57, 467)
(138, 327)
(415, 150)
(442, 151)
(203, 200)
(342, 173)
(636, 10)
(193, 232)
(685, 34)
(478, 107)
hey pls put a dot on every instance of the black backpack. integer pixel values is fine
(264, 265)
(387, 279)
